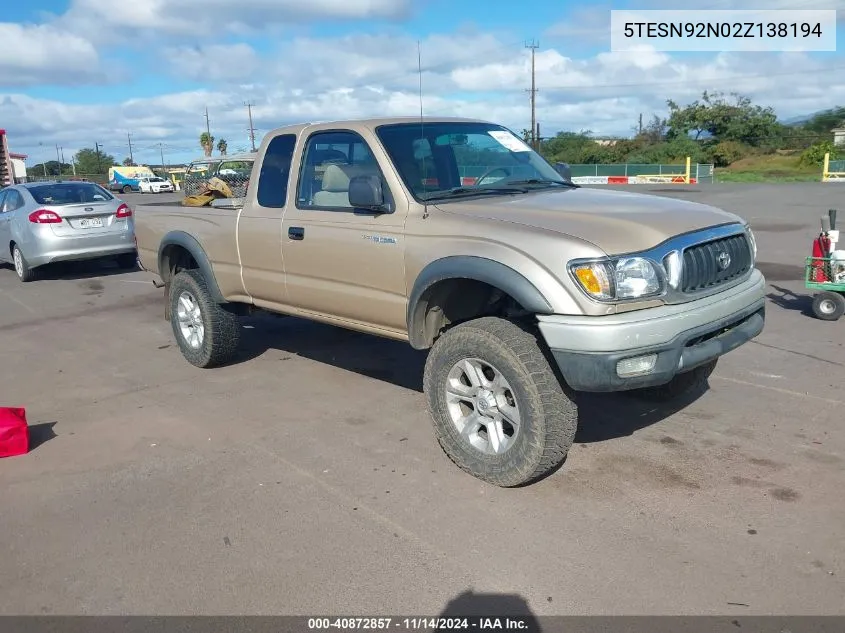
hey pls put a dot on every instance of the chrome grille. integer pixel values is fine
(716, 262)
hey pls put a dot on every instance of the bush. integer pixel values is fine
(728, 152)
(814, 155)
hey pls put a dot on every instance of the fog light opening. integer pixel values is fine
(636, 366)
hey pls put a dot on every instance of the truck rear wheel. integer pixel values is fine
(499, 411)
(207, 334)
(689, 383)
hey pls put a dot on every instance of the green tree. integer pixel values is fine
(824, 122)
(52, 167)
(727, 152)
(222, 146)
(814, 155)
(89, 161)
(207, 143)
(128, 162)
(730, 117)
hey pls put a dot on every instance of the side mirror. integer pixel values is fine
(564, 171)
(365, 192)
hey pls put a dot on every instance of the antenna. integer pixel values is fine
(422, 127)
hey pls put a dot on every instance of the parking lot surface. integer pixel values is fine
(305, 478)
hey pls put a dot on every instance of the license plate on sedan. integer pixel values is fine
(91, 223)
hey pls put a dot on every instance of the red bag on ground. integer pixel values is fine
(14, 432)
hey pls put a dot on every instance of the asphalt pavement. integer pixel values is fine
(305, 478)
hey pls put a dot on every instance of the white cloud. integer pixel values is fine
(39, 54)
(214, 63)
(199, 18)
(471, 74)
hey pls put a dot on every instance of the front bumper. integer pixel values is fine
(680, 337)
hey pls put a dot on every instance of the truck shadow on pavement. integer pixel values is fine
(602, 416)
(491, 606)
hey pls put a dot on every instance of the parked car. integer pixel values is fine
(524, 287)
(155, 184)
(47, 222)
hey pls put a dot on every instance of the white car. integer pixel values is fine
(155, 185)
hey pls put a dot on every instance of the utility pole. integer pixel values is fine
(207, 124)
(131, 158)
(533, 46)
(641, 123)
(58, 160)
(251, 128)
(97, 149)
(161, 149)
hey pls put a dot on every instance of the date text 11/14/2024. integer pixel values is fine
(421, 624)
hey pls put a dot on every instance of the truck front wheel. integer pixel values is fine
(499, 411)
(207, 334)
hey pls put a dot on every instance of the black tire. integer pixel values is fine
(690, 383)
(221, 328)
(127, 261)
(828, 306)
(22, 268)
(549, 416)
(126, 189)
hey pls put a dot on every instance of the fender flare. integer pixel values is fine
(474, 268)
(190, 244)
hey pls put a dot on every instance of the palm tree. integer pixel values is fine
(207, 143)
(222, 146)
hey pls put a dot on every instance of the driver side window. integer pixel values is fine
(331, 161)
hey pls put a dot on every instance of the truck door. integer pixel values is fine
(339, 262)
(260, 226)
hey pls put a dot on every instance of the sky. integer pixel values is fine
(76, 72)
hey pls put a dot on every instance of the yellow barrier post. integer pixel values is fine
(826, 168)
(687, 175)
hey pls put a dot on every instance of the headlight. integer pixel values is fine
(624, 278)
(753, 241)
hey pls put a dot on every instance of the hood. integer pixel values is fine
(615, 221)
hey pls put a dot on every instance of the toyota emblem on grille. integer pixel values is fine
(724, 260)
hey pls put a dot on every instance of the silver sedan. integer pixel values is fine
(46, 222)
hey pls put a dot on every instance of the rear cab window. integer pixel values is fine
(275, 171)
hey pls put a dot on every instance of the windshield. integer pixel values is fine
(69, 193)
(156, 179)
(450, 159)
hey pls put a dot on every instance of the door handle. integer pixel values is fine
(296, 233)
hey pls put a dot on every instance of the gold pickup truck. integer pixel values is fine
(455, 236)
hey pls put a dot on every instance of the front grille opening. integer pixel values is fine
(698, 340)
(716, 262)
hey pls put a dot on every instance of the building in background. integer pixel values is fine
(12, 166)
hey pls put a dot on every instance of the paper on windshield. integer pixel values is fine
(509, 141)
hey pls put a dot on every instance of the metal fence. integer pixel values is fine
(197, 182)
(699, 171)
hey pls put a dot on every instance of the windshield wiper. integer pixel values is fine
(472, 191)
(540, 181)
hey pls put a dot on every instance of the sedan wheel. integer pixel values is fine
(22, 269)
